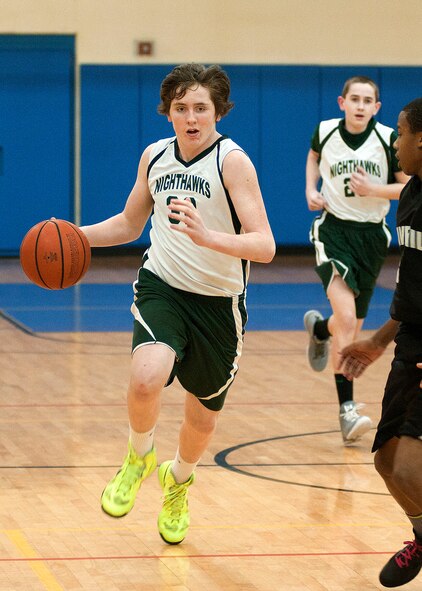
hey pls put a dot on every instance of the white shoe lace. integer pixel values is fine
(352, 414)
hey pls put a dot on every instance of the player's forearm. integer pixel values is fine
(111, 232)
(312, 172)
(384, 335)
(391, 191)
(253, 246)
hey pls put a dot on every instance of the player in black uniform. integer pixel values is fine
(398, 441)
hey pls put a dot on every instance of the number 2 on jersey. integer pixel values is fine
(347, 190)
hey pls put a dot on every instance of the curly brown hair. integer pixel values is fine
(185, 76)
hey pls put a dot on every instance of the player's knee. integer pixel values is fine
(347, 321)
(383, 464)
(146, 385)
(405, 478)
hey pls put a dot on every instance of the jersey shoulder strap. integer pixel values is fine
(226, 145)
(384, 134)
(159, 147)
(326, 130)
(157, 151)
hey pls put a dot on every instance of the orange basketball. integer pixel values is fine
(55, 254)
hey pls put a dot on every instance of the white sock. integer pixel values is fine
(182, 470)
(142, 443)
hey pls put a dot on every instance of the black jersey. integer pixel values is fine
(407, 300)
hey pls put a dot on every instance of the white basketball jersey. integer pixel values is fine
(173, 256)
(338, 161)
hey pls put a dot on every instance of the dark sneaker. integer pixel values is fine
(317, 350)
(403, 566)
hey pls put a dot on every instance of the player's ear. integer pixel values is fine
(340, 101)
(218, 118)
(377, 107)
(169, 118)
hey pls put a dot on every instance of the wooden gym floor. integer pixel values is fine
(279, 503)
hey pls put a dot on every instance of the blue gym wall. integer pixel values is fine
(276, 111)
(36, 133)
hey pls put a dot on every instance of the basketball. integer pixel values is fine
(55, 254)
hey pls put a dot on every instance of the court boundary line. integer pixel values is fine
(196, 556)
(220, 460)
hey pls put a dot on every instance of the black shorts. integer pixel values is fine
(402, 402)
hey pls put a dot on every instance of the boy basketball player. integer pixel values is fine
(208, 222)
(355, 159)
(398, 441)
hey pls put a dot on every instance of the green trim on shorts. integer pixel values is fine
(206, 333)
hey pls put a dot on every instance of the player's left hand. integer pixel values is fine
(190, 221)
(356, 357)
(360, 182)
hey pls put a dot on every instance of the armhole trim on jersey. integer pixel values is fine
(391, 177)
(154, 160)
(235, 220)
(325, 140)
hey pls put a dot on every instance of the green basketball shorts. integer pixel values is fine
(354, 250)
(205, 332)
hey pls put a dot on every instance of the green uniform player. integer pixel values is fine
(355, 160)
(208, 221)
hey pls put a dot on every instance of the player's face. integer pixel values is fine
(409, 147)
(193, 117)
(359, 106)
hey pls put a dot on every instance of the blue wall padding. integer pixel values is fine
(276, 111)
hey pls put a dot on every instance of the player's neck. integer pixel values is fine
(189, 151)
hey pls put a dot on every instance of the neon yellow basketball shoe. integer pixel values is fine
(173, 520)
(119, 495)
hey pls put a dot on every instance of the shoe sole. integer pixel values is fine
(168, 542)
(312, 364)
(360, 429)
(309, 330)
(115, 516)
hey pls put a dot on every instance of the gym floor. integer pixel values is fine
(279, 503)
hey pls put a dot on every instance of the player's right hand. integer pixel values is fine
(315, 200)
